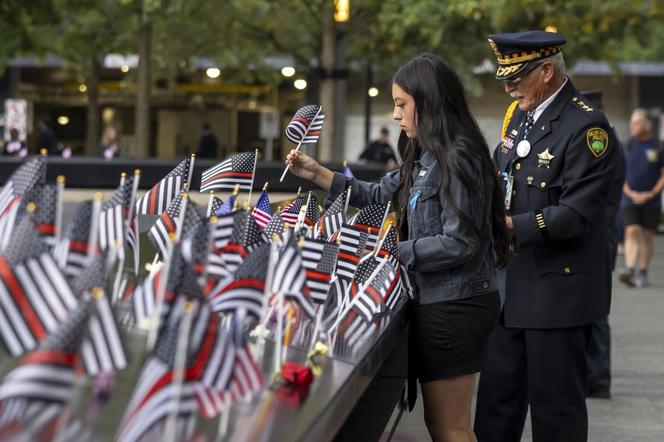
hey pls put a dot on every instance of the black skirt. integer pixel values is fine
(449, 338)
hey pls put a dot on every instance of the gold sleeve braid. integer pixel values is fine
(508, 118)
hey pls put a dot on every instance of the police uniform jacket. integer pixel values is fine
(558, 275)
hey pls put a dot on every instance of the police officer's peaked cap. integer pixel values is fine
(517, 50)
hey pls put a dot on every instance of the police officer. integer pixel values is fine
(556, 162)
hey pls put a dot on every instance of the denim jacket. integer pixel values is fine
(443, 263)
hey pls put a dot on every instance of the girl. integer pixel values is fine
(450, 210)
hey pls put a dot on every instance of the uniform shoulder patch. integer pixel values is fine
(597, 140)
(578, 101)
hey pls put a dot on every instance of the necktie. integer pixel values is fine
(530, 121)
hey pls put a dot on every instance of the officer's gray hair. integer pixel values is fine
(558, 62)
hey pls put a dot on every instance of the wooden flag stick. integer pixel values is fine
(191, 167)
(320, 109)
(130, 217)
(60, 180)
(347, 202)
(178, 369)
(208, 213)
(161, 292)
(382, 223)
(94, 224)
(279, 333)
(253, 176)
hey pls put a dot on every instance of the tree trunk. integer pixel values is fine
(327, 86)
(93, 115)
(142, 126)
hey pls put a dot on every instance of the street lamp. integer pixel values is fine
(213, 72)
(341, 11)
(300, 84)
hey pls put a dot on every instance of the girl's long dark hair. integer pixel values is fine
(446, 127)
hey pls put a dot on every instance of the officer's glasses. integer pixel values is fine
(514, 81)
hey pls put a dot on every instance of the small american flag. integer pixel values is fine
(246, 290)
(113, 216)
(262, 213)
(103, 349)
(238, 169)
(319, 260)
(221, 234)
(45, 197)
(156, 200)
(165, 225)
(291, 212)
(47, 374)
(353, 242)
(226, 207)
(306, 125)
(18, 184)
(214, 204)
(275, 226)
(368, 302)
(245, 237)
(290, 278)
(312, 214)
(370, 219)
(333, 217)
(34, 294)
(71, 253)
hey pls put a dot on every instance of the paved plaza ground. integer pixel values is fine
(636, 410)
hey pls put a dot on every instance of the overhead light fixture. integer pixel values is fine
(82, 87)
(124, 68)
(341, 11)
(63, 120)
(288, 71)
(373, 92)
(213, 72)
(300, 84)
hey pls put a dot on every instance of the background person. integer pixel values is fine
(450, 214)
(379, 151)
(208, 144)
(641, 205)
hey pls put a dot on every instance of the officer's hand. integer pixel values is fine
(302, 165)
(641, 197)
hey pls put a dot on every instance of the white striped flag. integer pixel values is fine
(156, 394)
(166, 225)
(18, 184)
(334, 217)
(247, 288)
(46, 374)
(290, 278)
(221, 233)
(245, 237)
(236, 170)
(319, 259)
(352, 244)
(34, 295)
(156, 200)
(306, 125)
(103, 349)
(71, 253)
(114, 214)
(262, 212)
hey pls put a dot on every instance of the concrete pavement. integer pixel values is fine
(636, 410)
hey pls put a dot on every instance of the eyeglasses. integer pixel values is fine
(513, 82)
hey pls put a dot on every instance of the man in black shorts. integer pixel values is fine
(641, 203)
